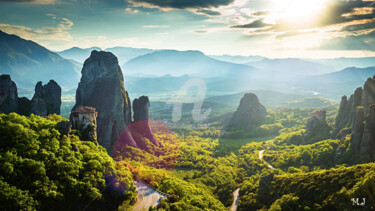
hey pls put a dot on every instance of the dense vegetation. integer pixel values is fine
(195, 165)
(43, 170)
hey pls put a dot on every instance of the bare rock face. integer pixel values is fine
(317, 128)
(141, 124)
(141, 109)
(52, 97)
(249, 114)
(359, 114)
(8, 95)
(47, 99)
(38, 105)
(102, 87)
(344, 116)
(318, 118)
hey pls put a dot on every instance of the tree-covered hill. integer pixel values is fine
(41, 169)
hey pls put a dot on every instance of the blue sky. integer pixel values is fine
(273, 28)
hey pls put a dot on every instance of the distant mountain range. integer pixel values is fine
(166, 71)
(342, 63)
(123, 54)
(238, 59)
(177, 63)
(289, 69)
(77, 54)
(350, 74)
(27, 62)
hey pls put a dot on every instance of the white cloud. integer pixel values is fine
(54, 37)
(131, 10)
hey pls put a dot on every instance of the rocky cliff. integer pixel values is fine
(8, 95)
(47, 99)
(141, 124)
(358, 115)
(102, 87)
(249, 114)
(317, 128)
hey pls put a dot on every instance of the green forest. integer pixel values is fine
(197, 167)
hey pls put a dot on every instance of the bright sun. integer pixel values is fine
(295, 10)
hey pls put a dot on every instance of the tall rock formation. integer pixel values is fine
(47, 99)
(141, 124)
(249, 114)
(317, 128)
(358, 113)
(102, 87)
(8, 95)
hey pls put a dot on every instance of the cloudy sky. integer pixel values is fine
(273, 28)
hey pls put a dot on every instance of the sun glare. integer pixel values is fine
(295, 10)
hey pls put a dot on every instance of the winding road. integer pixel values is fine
(236, 197)
(261, 158)
(147, 197)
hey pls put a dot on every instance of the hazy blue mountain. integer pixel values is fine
(268, 98)
(350, 74)
(125, 54)
(341, 63)
(289, 69)
(145, 85)
(27, 63)
(238, 59)
(77, 54)
(177, 63)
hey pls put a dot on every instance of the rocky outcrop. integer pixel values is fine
(318, 119)
(102, 87)
(47, 99)
(358, 114)
(8, 95)
(249, 114)
(317, 128)
(141, 124)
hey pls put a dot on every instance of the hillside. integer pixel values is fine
(313, 102)
(27, 63)
(44, 169)
(318, 190)
(341, 63)
(350, 74)
(177, 63)
(290, 67)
